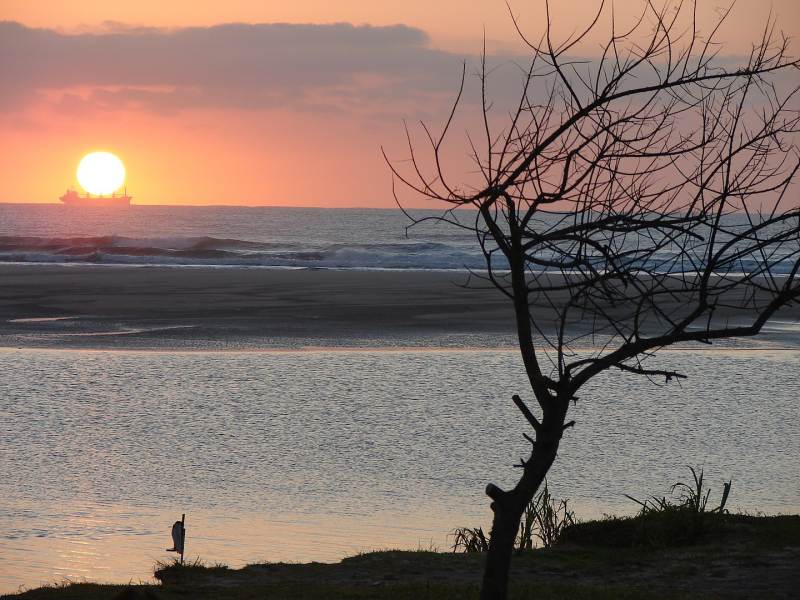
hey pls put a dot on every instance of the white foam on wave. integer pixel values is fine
(397, 254)
(208, 251)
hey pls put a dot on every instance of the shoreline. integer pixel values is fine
(238, 309)
(740, 556)
(718, 349)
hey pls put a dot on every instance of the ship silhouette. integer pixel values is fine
(73, 198)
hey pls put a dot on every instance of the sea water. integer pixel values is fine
(320, 454)
(231, 236)
(316, 455)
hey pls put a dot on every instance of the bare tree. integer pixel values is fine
(627, 203)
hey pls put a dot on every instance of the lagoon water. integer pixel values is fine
(286, 455)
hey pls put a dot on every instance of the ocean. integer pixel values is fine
(275, 237)
(231, 236)
(319, 453)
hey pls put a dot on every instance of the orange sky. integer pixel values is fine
(263, 115)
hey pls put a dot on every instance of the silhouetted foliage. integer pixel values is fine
(544, 519)
(466, 539)
(628, 202)
(662, 521)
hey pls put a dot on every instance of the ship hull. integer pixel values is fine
(96, 201)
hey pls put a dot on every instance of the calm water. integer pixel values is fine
(290, 456)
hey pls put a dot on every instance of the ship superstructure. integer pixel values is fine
(73, 198)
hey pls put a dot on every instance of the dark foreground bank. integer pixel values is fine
(741, 557)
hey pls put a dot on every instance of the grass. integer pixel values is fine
(322, 591)
(173, 571)
(683, 519)
(545, 520)
(541, 526)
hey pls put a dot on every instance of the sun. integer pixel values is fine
(101, 173)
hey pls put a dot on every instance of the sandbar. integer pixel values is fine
(157, 307)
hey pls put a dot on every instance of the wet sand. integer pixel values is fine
(99, 306)
(186, 307)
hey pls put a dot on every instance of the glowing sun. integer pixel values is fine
(101, 173)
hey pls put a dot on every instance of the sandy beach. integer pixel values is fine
(99, 305)
(165, 307)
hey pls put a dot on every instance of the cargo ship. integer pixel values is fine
(73, 198)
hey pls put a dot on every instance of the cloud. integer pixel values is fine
(338, 66)
(365, 70)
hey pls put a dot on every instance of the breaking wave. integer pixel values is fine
(233, 252)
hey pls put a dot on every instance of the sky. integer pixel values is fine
(260, 102)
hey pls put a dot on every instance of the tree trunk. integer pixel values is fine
(498, 559)
(508, 508)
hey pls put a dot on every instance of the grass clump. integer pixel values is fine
(466, 539)
(545, 520)
(683, 519)
(173, 571)
(541, 526)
